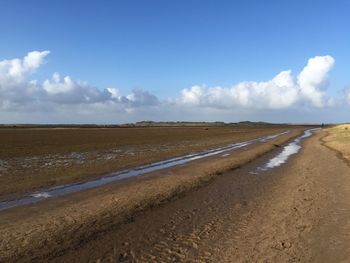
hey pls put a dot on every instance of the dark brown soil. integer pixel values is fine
(44, 231)
(31, 159)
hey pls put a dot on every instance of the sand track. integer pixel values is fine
(46, 230)
(297, 213)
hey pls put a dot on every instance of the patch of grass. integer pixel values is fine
(341, 133)
(339, 141)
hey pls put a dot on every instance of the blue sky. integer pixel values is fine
(163, 47)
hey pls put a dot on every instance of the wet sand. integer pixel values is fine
(39, 158)
(60, 190)
(298, 212)
(45, 230)
(295, 213)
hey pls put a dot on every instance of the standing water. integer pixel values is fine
(288, 150)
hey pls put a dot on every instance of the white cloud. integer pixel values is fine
(68, 91)
(313, 79)
(15, 88)
(141, 98)
(15, 70)
(280, 92)
(63, 99)
(114, 93)
(33, 60)
(283, 91)
(18, 92)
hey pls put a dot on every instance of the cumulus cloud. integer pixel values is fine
(140, 97)
(17, 91)
(14, 85)
(64, 99)
(313, 79)
(280, 92)
(283, 91)
(137, 98)
(68, 91)
(15, 70)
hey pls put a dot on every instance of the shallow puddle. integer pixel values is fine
(288, 150)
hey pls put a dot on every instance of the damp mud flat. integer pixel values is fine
(36, 158)
(294, 207)
(60, 190)
(296, 212)
(47, 230)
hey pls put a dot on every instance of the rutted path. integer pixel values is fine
(298, 212)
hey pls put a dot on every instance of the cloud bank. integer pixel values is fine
(63, 99)
(17, 91)
(283, 91)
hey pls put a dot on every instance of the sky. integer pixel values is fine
(125, 61)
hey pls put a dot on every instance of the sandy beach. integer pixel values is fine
(297, 212)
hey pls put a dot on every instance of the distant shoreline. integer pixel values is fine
(155, 124)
